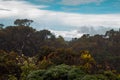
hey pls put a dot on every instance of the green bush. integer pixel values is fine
(89, 77)
(65, 72)
(36, 75)
(75, 74)
(101, 77)
(60, 72)
(110, 75)
(118, 77)
(94, 77)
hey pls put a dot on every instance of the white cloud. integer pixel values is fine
(12, 0)
(107, 20)
(67, 34)
(79, 2)
(45, 1)
(18, 8)
(51, 19)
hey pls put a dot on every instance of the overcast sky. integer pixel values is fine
(69, 18)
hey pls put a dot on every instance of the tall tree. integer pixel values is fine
(1, 26)
(23, 22)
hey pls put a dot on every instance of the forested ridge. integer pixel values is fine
(29, 54)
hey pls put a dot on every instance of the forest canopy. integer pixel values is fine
(26, 53)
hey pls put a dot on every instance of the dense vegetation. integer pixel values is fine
(28, 54)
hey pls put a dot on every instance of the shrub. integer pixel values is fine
(110, 75)
(60, 72)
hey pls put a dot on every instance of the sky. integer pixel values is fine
(68, 18)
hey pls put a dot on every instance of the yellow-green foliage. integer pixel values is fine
(87, 60)
(27, 66)
(86, 57)
(44, 64)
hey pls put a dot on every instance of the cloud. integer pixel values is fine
(67, 34)
(2, 9)
(77, 33)
(12, 0)
(93, 30)
(76, 24)
(45, 1)
(78, 20)
(79, 2)
(18, 9)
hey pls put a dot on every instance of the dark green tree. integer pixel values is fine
(23, 22)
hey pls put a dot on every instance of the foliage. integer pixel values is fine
(110, 75)
(118, 77)
(44, 64)
(87, 61)
(95, 77)
(23, 22)
(62, 56)
(25, 52)
(8, 65)
(27, 66)
(60, 72)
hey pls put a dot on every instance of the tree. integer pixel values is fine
(9, 65)
(62, 56)
(45, 34)
(45, 63)
(28, 65)
(23, 22)
(43, 52)
(1, 26)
